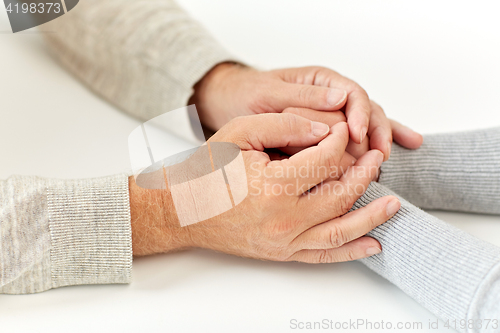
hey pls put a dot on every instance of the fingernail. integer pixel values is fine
(336, 96)
(363, 134)
(319, 129)
(393, 207)
(372, 250)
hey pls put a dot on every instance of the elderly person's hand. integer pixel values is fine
(232, 90)
(306, 219)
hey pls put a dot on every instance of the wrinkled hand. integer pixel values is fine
(232, 90)
(292, 217)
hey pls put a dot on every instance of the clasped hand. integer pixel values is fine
(292, 216)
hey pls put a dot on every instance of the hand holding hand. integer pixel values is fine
(284, 217)
(401, 134)
(232, 90)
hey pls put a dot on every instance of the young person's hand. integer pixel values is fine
(401, 134)
(232, 90)
(301, 216)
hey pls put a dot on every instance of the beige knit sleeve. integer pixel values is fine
(144, 56)
(56, 233)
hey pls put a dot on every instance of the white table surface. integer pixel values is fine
(433, 66)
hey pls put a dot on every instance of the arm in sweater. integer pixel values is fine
(142, 56)
(56, 233)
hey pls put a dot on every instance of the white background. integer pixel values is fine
(431, 64)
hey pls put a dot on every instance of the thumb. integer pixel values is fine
(309, 96)
(405, 136)
(272, 130)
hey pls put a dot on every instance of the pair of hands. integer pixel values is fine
(308, 219)
(316, 93)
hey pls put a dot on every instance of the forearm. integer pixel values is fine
(454, 171)
(451, 273)
(143, 56)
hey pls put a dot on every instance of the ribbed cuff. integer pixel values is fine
(438, 265)
(90, 231)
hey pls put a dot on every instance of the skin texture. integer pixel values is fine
(316, 93)
(278, 226)
(271, 226)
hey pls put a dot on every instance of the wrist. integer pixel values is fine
(155, 227)
(212, 94)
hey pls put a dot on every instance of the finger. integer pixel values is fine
(358, 114)
(308, 96)
(357, 104)
(330, 118)
(361, 174)
(405, 136)
(347, 159)
(314, 164)
(339, 231)
(379, 131)
(346, 162)
(334, 198)
(272, 130)
(358, 149)
(357, 249)
(318, 76)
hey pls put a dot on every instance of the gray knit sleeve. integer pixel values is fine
(56, 233)
(452, 171)
(453, 274)
(144, 56)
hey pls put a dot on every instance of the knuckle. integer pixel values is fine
(236, 130)
(323, 159)
(359, 90)
(336, 237)
(315, 68)
(306, 94)
(240, 127)
(376, 107)
(325, 257)
(346, 203)
(372, 221)
(350, 255)
(322, 257)
(290, 121)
